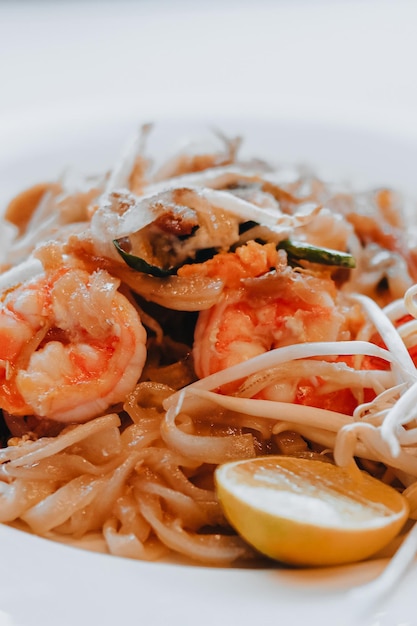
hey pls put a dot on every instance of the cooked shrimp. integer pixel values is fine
(71, 345)
(275, 309)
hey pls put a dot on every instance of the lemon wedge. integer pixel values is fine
(309, 512)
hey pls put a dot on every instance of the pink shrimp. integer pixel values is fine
(271, 310)
(71, 345)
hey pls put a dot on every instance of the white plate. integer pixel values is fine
(50, 584)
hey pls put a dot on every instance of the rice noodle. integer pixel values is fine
(32, 452)
(216, 450)
(214, 549)
(17, 497)
(128, 545)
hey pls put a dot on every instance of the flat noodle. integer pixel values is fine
(32, 452)
(129, 519)
(194, 514)
(17, 497)
(214, 549)
(59, 506)
(216, 450)
(221, 328)
(59, 467)
(128, 545)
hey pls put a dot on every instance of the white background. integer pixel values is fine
(66, 63)
(352, 60)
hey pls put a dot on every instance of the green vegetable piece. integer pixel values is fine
(140, 265)
(299, 250)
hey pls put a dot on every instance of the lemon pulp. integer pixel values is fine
(308, 512)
